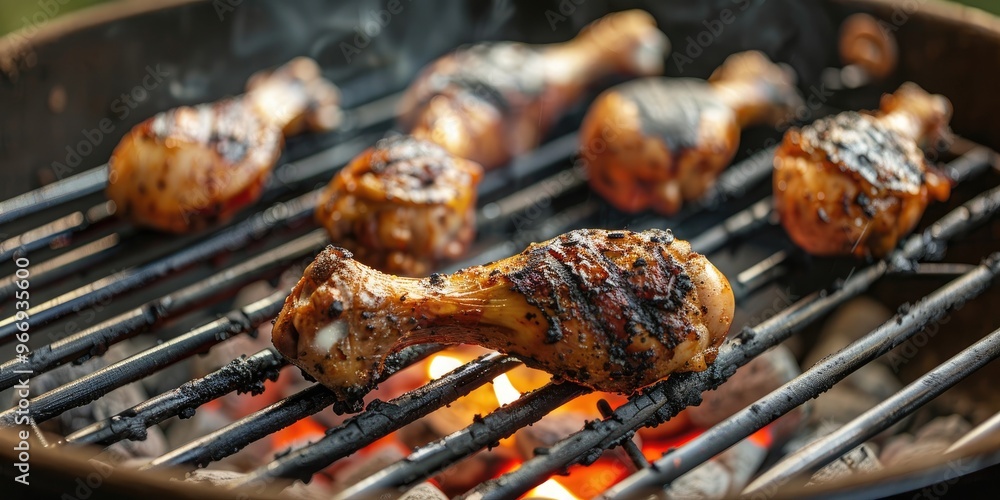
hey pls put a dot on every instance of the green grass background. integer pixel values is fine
(12, 11)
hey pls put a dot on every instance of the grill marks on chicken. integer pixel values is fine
(193, 166)
(490, 102)
(854, 184)
(403, 206)
(657, 142)
(612, 310)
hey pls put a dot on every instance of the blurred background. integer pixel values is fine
(12, 11)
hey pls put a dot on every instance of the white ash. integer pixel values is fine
(104, 407)
(472, 471)
(208, 419)
(353, 469)
(861, 459)
(866, 387)
(721, 477)
(756, 379)
(424, 491)
(932, 439)
(223, 478)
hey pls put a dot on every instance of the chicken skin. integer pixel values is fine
(493, 101)
(611, 310)
(193, 166)
(404, 206)
(657, 142)
(854, 184)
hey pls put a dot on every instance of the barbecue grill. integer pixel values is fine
(96, 281)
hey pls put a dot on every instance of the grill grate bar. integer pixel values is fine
(244, 374)
(45, 234)
(89, 388)
(380, 419)
(669, 397)
(256, 227)
(263, 422)
(70, 188)
(94, 180)
(811, 383)
(738, 225)
(883, 415)
(101, 430)
(74, 261)
(96, 339)
(984, 432)
(402, 474)
(483, 432)
(237, 435)
(287, 176)
(113, 286)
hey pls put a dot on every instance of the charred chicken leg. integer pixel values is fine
(657, 142)
(191, 166)
(403, 206)
(492, 101)
(612, 310)
(854, 184)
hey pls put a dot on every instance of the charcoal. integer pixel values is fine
(932, 439)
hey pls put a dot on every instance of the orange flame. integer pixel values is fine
(552, 489)
(504, 389)
(441, 364)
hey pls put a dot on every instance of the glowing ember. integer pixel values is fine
(506, 393)
(551, 489)
(764, 437)
(441, 365)
(653, 449)
(297, 434)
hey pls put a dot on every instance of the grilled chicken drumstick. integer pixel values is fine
(854, 184)
(188, 167)
(403, 206)
(657, 142)
(492, 101)
(611, 310)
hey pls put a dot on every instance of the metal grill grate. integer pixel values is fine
(546, 173)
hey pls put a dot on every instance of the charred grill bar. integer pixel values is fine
(813, 382)
(101, 382)
(487, 430)
(95, 340)
(903, 403)
(380, 419)
(656, 404)
(232, 438)
(668, 398)
(245, 374)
